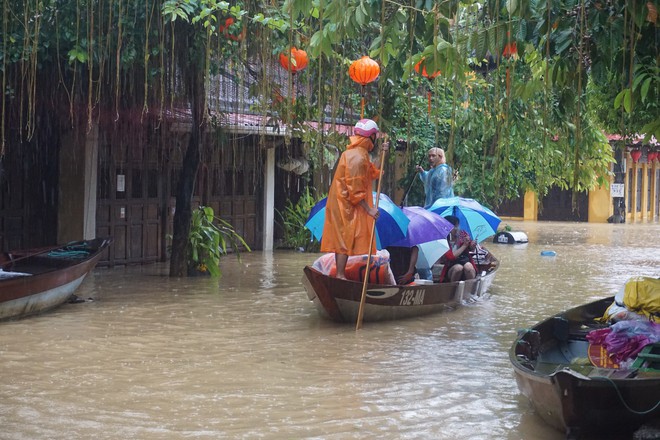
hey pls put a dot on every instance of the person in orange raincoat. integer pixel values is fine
(349, 210)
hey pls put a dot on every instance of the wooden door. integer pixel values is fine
(128, 203)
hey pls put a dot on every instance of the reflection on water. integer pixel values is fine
(247, 356)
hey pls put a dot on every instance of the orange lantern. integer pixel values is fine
(510, 51)
(429, 77)
(363, 71)
(299, 62)
(295, 62)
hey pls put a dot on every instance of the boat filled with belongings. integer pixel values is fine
(36, 280)
(595, 369)
(339, 299)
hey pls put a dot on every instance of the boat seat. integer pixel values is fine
(649, 358)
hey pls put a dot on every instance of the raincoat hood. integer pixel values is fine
(360, 141)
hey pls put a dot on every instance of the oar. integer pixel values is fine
(358, 324)
(405, 196)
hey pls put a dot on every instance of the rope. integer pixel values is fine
(607, 379)
(70, 252)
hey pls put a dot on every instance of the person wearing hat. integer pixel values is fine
(438, 180)
(349, 210)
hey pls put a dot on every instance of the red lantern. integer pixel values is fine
(651, 156)
(296, 62)
(636, 154)
(224, 29)
(424, 72)
(510, 51)
(363, 71)
(429, 77)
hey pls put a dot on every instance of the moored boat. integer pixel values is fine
(339, 300)
(574, 385)
(34, 281)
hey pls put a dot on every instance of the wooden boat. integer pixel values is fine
(339, 300)
(552, 368)
(33, 281)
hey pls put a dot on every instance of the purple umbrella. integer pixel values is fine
(424, 226)
(428, 231)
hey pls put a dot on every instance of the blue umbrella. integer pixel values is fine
(391, 226)
(477, 220)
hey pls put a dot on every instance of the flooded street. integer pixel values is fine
(247, 356)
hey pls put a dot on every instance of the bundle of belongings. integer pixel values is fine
(635, 321)
(379, 272)
(638, 300)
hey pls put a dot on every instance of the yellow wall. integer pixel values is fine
(600, 205)
(531, 206)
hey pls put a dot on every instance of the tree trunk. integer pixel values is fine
(194, 77)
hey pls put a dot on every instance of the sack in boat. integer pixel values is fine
(356, 267)
(355, 270)
(638, 300)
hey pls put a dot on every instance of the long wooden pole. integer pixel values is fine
(358, 324)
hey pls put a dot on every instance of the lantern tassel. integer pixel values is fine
(362, 104)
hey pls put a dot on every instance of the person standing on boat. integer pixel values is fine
(439, 179)
(457, 262)
(349, 210)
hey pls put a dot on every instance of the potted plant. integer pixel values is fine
(208, 240)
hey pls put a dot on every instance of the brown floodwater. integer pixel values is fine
(247, 356)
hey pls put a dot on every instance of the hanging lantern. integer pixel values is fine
(294, 63)
(510, 51)
(430, 78)
(224, 29)
(363, 71)
(651, 156)
(636, 154)
(424, 72)
(652, 15)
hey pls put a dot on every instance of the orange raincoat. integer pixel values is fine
(347, 228)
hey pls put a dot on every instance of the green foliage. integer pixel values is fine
(209, 239)
(293, 221)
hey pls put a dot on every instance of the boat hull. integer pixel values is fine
(576, 397)
(50, 281)
(339, 300)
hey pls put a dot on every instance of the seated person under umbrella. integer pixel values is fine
(423, 245)
(402, 262)
(457, 261)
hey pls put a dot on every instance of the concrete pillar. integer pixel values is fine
(269, 200)
(77, 186)
(633, 190)
(645, 192)
(653, 214)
